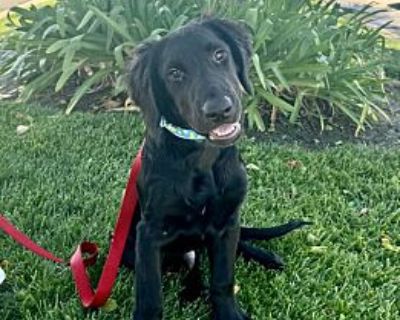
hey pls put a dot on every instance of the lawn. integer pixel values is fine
(61, 182)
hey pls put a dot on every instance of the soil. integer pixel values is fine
(308, 134)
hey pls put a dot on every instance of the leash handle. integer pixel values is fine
(87, 252)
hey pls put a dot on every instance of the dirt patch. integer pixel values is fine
(308, 134)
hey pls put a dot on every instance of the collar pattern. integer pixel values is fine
(186, 134)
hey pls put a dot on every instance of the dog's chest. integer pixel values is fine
(205, 205)
(192, 197)
(196, 197)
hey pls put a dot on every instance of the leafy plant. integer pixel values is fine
(305, 57)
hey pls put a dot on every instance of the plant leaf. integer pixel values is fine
(85, 87)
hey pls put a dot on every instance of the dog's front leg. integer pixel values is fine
(148, 274)
(222, 252)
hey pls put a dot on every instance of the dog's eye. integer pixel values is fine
(220, 56)
(176, 75)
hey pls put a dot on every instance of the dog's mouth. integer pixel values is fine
(225, 132)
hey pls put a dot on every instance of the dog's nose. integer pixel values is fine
(218, 109)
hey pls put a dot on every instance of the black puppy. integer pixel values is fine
(193, 181)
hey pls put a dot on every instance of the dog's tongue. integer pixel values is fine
(225, 131)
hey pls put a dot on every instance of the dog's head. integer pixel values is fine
(194, 78)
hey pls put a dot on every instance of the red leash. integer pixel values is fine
(91, 298)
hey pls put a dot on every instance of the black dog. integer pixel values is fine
(193, 181)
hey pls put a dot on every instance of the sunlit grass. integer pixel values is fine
(3, 14)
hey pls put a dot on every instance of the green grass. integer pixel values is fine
(62, 182)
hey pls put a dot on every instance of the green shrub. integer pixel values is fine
(305, 58)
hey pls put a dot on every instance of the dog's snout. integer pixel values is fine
(218, 109)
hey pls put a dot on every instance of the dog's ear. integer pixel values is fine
(239, 40)
(139, 77)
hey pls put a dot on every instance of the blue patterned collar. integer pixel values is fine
(186, 134)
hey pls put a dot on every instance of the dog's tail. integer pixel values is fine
(266, 258)
(272, 232)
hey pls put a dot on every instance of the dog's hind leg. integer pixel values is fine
(267, 259)
(272, 232)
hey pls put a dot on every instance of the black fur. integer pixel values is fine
(190, 192)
